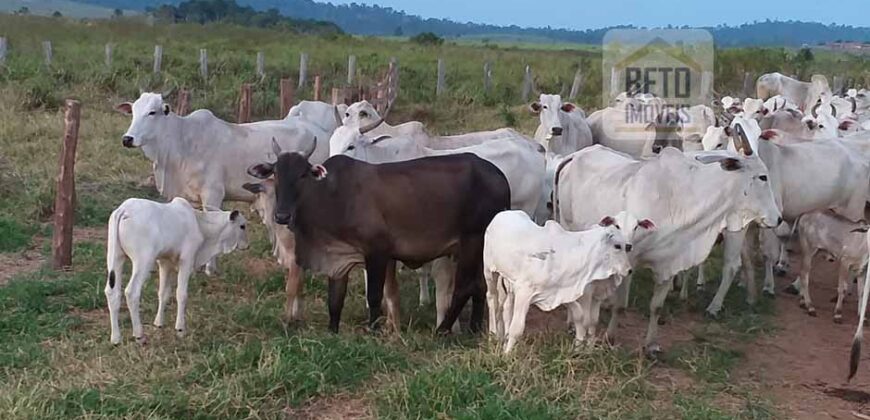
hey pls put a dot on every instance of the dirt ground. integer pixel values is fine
(32, 258)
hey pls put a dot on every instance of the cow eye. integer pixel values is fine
(347, 114)
(242, 227)
(363, 114)
(617, 226)
(152, 113)
(763, 178)
(617, 246)
(821, 126)
(351, 147)
(545, 107)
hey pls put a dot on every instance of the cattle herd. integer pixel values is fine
(502, 219)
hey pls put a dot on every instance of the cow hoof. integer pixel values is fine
(115, 341)
(711, 315)
(662, 320)
(653, 351)
(779, 272)
(179, 333)
(790, 289)
(811, 312)
(443, 332)
(833, 299)
(803, 305)
(143, 340)
(768, 293)
(838, 319)
(609, 340)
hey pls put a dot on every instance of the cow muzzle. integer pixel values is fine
(283, 218)
(556, 131)
(127, 141)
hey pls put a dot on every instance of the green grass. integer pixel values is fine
(238, 359)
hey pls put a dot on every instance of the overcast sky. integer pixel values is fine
(584, 14)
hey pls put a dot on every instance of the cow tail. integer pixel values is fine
(855, 356)
(113, 249)
(559, 168)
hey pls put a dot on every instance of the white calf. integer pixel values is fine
(833, 234)
(525, 264)
(177, 237)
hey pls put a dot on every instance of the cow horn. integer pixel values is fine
(307, 153)
(833, 110)
(814, 111)
(744, 146)
(337, 116)
(276, 148)
(854, 104)
(166, 93)
(374, 125)
(775, 105)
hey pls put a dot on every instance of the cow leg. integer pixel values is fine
(507, 310)
(212, 198)
(617, 306)
(391, 292)
(141, 269)
(594, 312)
(651, 346)
(701, 281)
(492, 291)
(731, 263)
(467, 283)
(113, 297)
(684, 285)
(748, 270)
(518, 321)
(774, 253)
(293, 286)
(376, 271)
(337, 292)
(575, 312)
(443, 270)
(185, 269)
(163, 292)
(424, 289)
(842, 286)
(806, 267)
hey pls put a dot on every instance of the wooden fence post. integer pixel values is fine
(4, 47)
(393, 79)
(335, 95)
(261, 64)
(615, 86)
(303, 69)
(381, 106)
(245, 103)
(748, 85)
(286, 96)
(527, 84)
(440, 86)
(487, 76)
(109, 49)
(837, 87)
(577, 85)
(182, 104)
(64, 202)
(317, 87)
(46, 48)
(158, 57)
(351, 69)
(707, 85)
(203, 63)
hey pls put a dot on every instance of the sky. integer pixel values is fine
(584, 14)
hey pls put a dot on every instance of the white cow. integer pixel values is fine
(625, 126)
(805, 177)
(563, 128)
(526, 264)
(779, 102)
(833, 234)
(318, 113)
(690, 198)
(855, 355)
(804, 94)
(174, 235)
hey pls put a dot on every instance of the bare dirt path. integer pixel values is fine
(32, 258)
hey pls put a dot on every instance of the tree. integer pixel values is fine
(24, 10)
(427, 38)
(118, 13)
(56, 14)
(398, 31)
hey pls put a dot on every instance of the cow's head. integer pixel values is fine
(630, 229)
(752, 193)
(668, 125)
(819, 90)
(754, 108)
(264, 202)
(289, 173)
(231, 226)
(549, 109)
(149, 122)
(360, 114)
(821, 123)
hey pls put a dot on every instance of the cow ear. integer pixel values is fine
(845, 125)
(319, 171)
(647, 224)
(124, 108)
(768, 134)
(606, 221)
(234, 215)
(650, 126)
(166, 109)
(261, 170)
(730, 164)
(568, 107)
(535, 107)
(380, 138)
(253, 187)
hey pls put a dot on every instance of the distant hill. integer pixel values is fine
(375, 20)
(68, 8)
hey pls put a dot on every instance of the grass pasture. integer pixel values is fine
(238, 360)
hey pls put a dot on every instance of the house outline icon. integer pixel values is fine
(661, 45)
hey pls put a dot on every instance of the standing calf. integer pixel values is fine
(525, 264)
(836, 236)
(177, 237)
